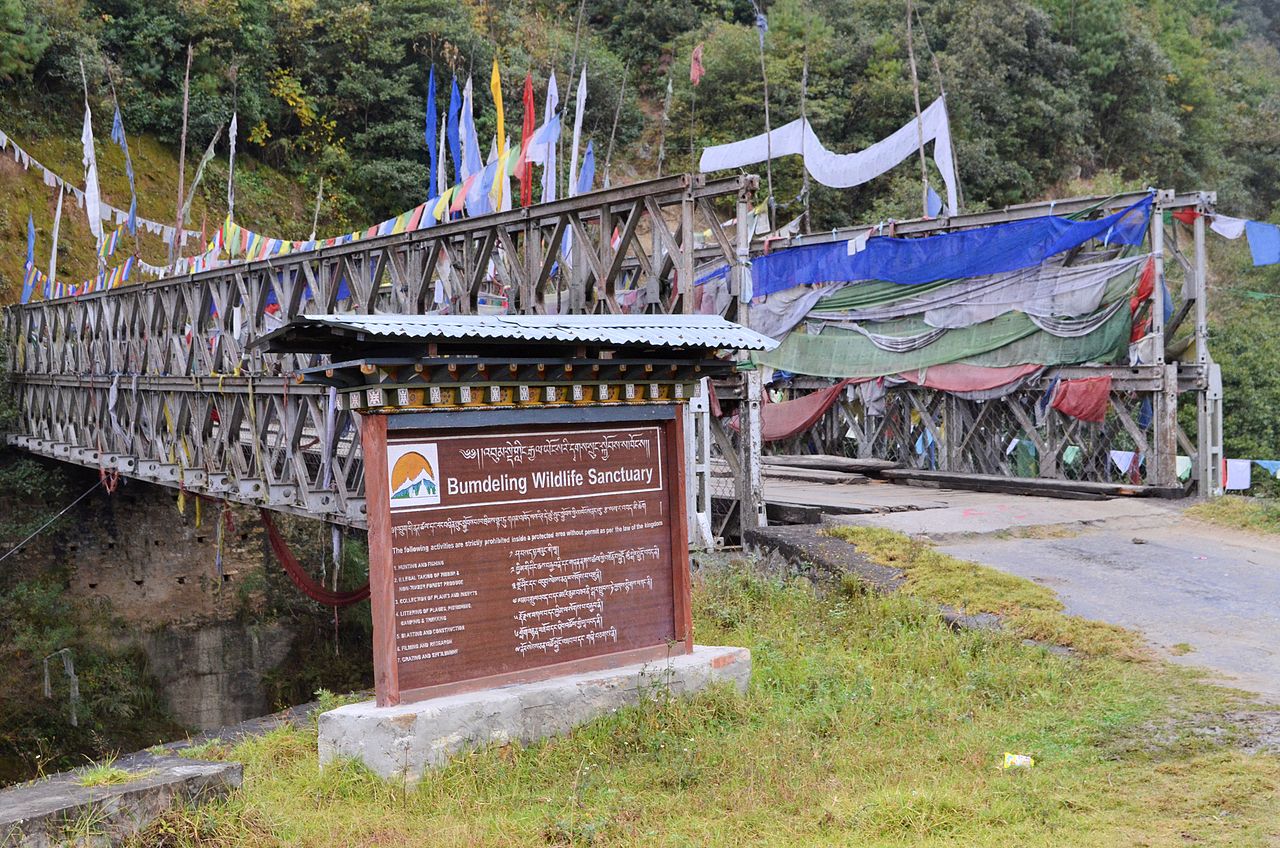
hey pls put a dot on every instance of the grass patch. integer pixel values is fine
(107, 773)
(1261, 515)
(1030, 611)
(868, 722)
(1181, 649)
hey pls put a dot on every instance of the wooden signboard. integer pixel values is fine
(520, 551)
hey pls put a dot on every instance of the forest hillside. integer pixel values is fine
(1047, 98)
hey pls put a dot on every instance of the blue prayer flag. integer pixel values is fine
(588, 173)
(451, 130)
(1264, 242)
(934, 206)
(31, 240)
(430, 130)
(118, 136)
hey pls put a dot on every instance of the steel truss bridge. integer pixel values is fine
(162, 381)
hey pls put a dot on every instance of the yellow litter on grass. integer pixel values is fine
(1017, 761)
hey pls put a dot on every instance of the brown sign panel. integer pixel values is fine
(514, 549)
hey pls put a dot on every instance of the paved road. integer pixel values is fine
(1183, 582)
(1189, 584)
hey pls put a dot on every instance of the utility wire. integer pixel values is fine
(45, 526)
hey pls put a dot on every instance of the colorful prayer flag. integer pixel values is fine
(430, 130)
(495, 86)
(455, 148)
(526, 136)
(696, 71)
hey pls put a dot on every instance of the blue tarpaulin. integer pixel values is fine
(970, 253)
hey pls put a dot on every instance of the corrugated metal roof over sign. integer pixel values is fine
(701, 331)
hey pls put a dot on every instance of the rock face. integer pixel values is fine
(404, 741)
(182, 593)
(211, 674)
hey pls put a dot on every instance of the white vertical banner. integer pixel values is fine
(579, 106)
(53, 253)
(231, 167)
(92, 196)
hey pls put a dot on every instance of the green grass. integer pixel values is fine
(868, 722)
(1030, 610)
(107, 773)
(1260, 515)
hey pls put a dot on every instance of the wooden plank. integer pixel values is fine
(1025, 485)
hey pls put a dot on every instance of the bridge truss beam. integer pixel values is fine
(163, 381)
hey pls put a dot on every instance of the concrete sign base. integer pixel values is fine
(403, 741)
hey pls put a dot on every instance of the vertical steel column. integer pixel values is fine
(1162, 466)
(750, 485)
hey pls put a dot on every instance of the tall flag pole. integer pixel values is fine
(662, 132)
(804, 118)
(523, 169)
(429, 131)
(613, 131)
(579, 108)
(762, 26)
(915, 90)
(174, 250)
(696, 72)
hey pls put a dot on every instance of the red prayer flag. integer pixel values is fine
(523, 169)
(1086, 398)
(696, 71)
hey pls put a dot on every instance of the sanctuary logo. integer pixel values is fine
(415, 477)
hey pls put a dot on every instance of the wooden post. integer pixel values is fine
(377, 500)
(682, 604)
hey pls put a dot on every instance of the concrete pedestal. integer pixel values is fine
(406, 740)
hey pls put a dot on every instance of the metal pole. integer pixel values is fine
(804, 116)
(915, 90)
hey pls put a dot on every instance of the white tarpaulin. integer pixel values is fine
(844, 170)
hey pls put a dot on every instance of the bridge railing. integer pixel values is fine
(162, 380)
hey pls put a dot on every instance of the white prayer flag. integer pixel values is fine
(92, 196)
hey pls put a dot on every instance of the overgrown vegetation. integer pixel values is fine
(868, 722)
(1029, 610)
(107, 773)
(1260, 515)
(118, 709)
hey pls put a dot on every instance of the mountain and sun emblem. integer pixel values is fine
(414, 479)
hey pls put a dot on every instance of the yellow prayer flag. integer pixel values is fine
(443, 203)
(495, 86)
